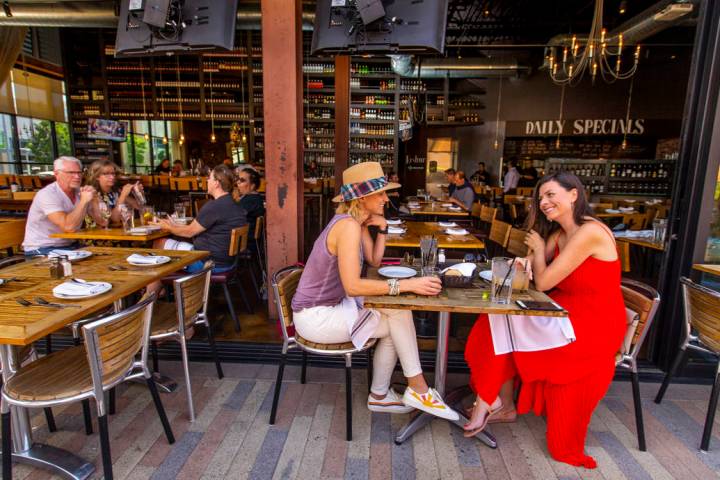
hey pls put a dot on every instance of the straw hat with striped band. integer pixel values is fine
(361, 180)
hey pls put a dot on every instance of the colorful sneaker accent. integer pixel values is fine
(430, 402)
(392, 403)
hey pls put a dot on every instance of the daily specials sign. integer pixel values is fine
(592, 127)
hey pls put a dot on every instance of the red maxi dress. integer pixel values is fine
(564, 383)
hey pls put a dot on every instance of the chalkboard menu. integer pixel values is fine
(541, 148)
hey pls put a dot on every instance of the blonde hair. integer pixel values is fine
(351, 207)
(96, 168)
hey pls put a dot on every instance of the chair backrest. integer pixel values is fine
(476, 209)
(513, 211)
(259, 225)
(644, 300)
(146, 181)
(511, 199)
(284, 284)
(183, 184)
(198, 203)
(162, 180)
(203, 184)
(702, 312)
(6, 179)
(113, 342)
(487, 214)
(635, 221)
(12, 233)
(238, 240)
(623, 250)
(23, 195)
(516, 243)
(500, 232)
(29, 182)
(524, 191)
(191, 294)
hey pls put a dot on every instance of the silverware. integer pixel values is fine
(23, 302)
(44, 302)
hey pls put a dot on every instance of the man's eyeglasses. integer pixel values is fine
(76, 173)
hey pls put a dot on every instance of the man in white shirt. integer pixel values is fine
(512, 177)
(59, 207)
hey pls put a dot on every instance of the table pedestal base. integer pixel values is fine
(56, 460)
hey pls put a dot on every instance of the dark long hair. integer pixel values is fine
(582, 211)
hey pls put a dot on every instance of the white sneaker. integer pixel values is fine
(392, 403)
(430, 402)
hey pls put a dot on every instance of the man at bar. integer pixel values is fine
(481, 175)
(528, 175)
(57, 208)
(512, 177)
(464, 194)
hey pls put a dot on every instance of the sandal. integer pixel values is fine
(490, 413)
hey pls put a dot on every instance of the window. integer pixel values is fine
(7, 147)
(145, 149)
(62, 134)
(36, 149)
(712, 249)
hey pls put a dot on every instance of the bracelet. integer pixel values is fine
(394, 285)
(383, 232)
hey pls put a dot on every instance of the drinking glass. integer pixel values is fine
(428, 251)
(421, 193)
(127, 214)
(502, 278)
(138, 193)
(521, 277)
(659, 228)
(430, 272)
(180, 210)
(105, 213)
(147, 214)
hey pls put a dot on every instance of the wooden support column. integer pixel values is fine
(342, 117)
(282, 91)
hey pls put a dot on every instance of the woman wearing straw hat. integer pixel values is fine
(328, 304)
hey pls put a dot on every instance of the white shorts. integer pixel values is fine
(171, 244)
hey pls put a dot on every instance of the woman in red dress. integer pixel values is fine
(574, 257)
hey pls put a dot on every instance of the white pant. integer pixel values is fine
(395, 333)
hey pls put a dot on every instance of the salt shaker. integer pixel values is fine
(66, 266)
(441, 256)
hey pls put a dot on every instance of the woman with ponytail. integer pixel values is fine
(246, 194)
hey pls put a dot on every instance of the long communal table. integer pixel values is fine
(415, 230)
(20, 325)
(458, 300)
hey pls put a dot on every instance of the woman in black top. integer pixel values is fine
(250, 200)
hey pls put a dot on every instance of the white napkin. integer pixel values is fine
(146, 259)
(395, 221)
(414, 207)
(395, 230)
(78, 289)
(456, 231)
(626, 209)
(454, 208)
(446, 204)
(466, 269)
(447, 224)
(634, 233)
(71, 254)
(524, 333)
(611, 210)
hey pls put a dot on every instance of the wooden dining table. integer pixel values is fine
(645, 242)
(436, 209)
(22, 325)
(452, 300)
(113, 234)
(415, 230)
(713, 269)
(15, 204)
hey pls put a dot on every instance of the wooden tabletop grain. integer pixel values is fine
(415, 230)
(459, 300)
(426, 209)
(646, 242)
(20, 325)
(707, 268)
(112, 234)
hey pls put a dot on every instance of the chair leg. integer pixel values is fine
(278, 385)
(48, 345)
(105, 446)
(155, 356)
(303, 371)
(160, 409)
(50, 419)
(712, 406)
(6, 446)
(213, 349)
(228, 300)
(245, 300)
(111, 401)
(680, 359)
(251, 273)
(370, 353)
(639, 424)
(186, 370)
(348, 397)
(86, 417)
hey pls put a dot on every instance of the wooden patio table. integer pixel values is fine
(21, 325)
(646, 242)
(458, 300)
(438, 211)
(15, 205)
(114, 234)
(415, 230)
(712, 269)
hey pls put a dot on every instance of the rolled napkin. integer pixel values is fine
(147, 259)
(466, 269)
(394, 221)
(71, 254)
(76, 289)
(395, 230)
(456, 231)
(447, 224)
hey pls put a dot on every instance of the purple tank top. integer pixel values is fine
(320, 284)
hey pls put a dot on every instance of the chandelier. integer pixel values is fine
(597, 53)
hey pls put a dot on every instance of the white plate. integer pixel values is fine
(394, 221)
(106, 288)
(397, 272)
(446, 204)
(161, 260)
(396, 231)
(414, 207)
(73, 255)
(455, 208)
(486, 275)
(611, 210)
(447, 224)
(456, 231)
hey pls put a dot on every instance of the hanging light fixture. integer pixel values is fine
(496, 143)
(162, 105)
(180, 102)
(598, 53)
(623, 145)
(142, 90)
(213, 138)
(560, 116)
(243, 117)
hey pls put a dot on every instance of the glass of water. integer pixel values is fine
(428, 251)
(180, 210)
(503, 272)
(128, 217)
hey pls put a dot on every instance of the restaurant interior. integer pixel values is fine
(625, 96)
